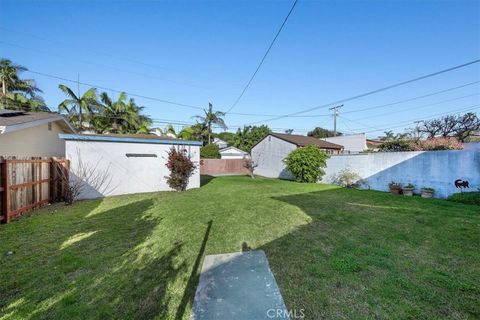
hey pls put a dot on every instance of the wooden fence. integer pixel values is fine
(217, 167)
(26, 184)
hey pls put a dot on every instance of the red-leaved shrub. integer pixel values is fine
(438, 144)
(181, 168)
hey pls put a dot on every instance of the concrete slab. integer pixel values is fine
(238, 286)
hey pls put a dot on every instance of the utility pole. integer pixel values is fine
(79, 106)
(335, 114)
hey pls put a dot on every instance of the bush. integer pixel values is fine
(210, 151)
(181, 168)
(396, 145)
(306, 163)
(466, 197)
(347, 178)
(440, 144)
(432, 144)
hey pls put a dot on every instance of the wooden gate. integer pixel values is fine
(26, 184)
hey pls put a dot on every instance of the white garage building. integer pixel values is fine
(124, 163)
(268, 154)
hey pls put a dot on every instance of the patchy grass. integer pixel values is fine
(336, 253)
(466, 197)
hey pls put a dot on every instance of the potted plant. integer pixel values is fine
(427, 192)
(408, 190)
(395, 187)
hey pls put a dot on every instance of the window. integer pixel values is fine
(141, 155)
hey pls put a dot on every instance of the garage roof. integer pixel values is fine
(129, 138)
(302, 141)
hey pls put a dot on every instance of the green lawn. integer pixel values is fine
(336, 253)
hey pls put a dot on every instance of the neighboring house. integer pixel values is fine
(32, 134)
(220, 143)
(352, 143)
(128, 163)
(233, 153)
(269, 153)
(373, 145)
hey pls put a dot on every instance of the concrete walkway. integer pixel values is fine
(238, 286)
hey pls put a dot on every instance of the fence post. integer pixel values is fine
(5, 192)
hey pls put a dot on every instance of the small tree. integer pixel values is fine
(307, 163)
(181, 169)
(250, 165)
(210, 151)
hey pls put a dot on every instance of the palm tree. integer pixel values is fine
(75, 106)
(13, 87)
(210, 118)
(122, 117)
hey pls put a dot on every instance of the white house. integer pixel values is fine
(220, 143)
(233, 153)
(125, 163)
(32, 134)
(269, 153)
(352, 143)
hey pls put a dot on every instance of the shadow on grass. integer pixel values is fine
(367, 254)
(205, 179)
(192, 283)
(103, 266)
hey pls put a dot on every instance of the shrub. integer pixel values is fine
(396, 145)
(210, 151)
(440, 144)
(466, 197)
(306, 163)
(394, 185)
(347, 178)
(431, 144)
(181, 168)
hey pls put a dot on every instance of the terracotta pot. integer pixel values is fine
(427, 193)
(395, 190)
(407, 192)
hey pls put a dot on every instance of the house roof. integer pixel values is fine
(301, 141)
(13, 120)
(130, 138)
(225, 150)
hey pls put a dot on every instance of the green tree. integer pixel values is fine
(210, 151)
(75, 107)
(210, 118)
(307, 163)
(121, 116)
(18, 93)
(321, 133)
(247, 137)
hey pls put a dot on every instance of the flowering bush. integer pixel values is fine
(439, 144)
(181, 168)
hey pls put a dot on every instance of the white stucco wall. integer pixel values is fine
(269, 155)
(38, 141)
(352, 143)
(127, 174)
(436, 169)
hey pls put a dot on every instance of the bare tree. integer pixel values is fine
(460, 127)
(82, 176)
(250, 165)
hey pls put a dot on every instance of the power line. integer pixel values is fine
(403, 123)
(413, 99)
(264, 57)
(372, 92)
(116, 91)
(421, 106)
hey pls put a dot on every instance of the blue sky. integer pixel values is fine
(195, 52)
